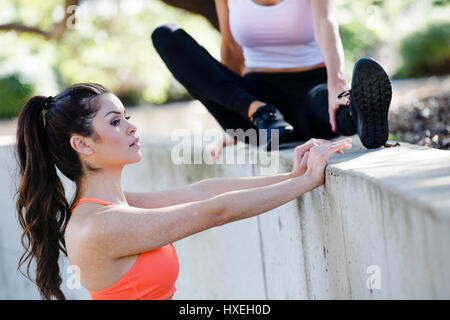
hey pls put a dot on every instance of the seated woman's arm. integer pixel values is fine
(230, 51)
(326, 32)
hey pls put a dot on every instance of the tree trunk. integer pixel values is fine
(206, 8)
(58, 29)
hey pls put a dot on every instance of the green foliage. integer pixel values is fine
(109, 44)
(441, 2)
(426, 52)
(358, 40)
(395, 136)
(14, 95)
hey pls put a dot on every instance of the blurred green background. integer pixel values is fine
(110, 44)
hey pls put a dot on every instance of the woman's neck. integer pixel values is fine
(105, 186)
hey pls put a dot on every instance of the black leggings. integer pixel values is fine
(302, 97)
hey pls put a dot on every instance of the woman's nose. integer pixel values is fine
(132, 128)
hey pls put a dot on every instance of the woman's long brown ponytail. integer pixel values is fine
(43, 146)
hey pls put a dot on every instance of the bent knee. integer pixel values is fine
(164, 34)
(320, 91)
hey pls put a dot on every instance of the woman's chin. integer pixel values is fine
(138, 157)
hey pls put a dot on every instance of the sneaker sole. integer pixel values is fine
(372, 93)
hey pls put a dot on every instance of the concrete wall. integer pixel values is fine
(382, 215)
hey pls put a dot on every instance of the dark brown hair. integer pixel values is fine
(43, 135)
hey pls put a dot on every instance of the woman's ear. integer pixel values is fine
(80, 145)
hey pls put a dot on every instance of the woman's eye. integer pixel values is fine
(118, 120)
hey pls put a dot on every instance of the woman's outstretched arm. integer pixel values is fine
(120, 231)
(201, 190)
(216, 186)
(266, 198)
(211, 187)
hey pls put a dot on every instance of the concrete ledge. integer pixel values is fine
(382, 218)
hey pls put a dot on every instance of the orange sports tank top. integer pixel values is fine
(152, 277)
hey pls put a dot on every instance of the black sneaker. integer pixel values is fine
(268, 117)
(370, 98)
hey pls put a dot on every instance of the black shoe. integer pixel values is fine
(268, 117)
(370, 98)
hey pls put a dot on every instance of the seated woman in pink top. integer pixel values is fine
(121, 242)
(281, 70)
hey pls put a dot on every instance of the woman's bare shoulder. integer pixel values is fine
(80, 221)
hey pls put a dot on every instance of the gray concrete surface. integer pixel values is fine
(378, 228)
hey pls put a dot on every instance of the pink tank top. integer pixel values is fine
(278, 36)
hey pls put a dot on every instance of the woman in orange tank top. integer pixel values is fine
(121, 242)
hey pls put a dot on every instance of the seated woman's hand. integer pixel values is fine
(220, 144)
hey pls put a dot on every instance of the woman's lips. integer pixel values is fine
(135, 143)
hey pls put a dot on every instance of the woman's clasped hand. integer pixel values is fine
(312, 157)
